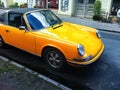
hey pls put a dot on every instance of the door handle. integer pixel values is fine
(7, 31)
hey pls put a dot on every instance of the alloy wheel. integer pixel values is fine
(54, 59)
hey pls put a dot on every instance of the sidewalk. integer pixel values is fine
(13, 76)
(112, 27)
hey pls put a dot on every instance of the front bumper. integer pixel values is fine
(85, 62)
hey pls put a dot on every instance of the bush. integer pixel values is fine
(14, 5)
(23, 5)
(97, 9)
(36, 6)
(95, 17)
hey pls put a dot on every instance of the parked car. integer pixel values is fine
(42, 33)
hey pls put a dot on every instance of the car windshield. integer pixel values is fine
(42, 19)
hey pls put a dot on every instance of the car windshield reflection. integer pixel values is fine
(42, 19)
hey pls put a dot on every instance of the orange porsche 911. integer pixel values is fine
(42, 33)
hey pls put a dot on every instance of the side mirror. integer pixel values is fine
(22, 28)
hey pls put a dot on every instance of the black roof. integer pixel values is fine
(22, 10)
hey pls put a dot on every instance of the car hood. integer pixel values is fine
(74, 34)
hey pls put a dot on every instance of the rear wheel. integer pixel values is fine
(54, 59)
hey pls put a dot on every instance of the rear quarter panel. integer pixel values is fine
(3, 33)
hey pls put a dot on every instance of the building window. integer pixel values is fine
(53, 3)
(91, 1)
(80, 1)
(64, 5)
(88, 1)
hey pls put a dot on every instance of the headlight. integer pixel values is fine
(98, 34)
(81, 49)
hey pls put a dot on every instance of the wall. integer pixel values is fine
(106, 5)
(7, 3)
(31, 3)
(20, 1)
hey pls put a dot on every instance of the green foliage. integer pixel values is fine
(36, 6)
(6, 67)
(23, 5)
(15, 5)
(97, 9)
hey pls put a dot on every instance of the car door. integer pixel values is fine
(19, 38)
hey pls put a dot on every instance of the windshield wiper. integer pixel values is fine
(59, 25)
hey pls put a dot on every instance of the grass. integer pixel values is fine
(7, 67)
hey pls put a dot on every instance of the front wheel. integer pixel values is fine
(54, 59)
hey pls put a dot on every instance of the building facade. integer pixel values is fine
(85, 8)
(81, 8)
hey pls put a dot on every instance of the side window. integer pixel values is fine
(2, 17)
(15, 20)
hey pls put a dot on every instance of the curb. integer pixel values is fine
(35, 73)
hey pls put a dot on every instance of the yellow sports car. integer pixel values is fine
(42, 33)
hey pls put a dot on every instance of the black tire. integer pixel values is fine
(2, 43)
(54, 59)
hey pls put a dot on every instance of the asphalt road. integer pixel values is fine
(104, 74)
